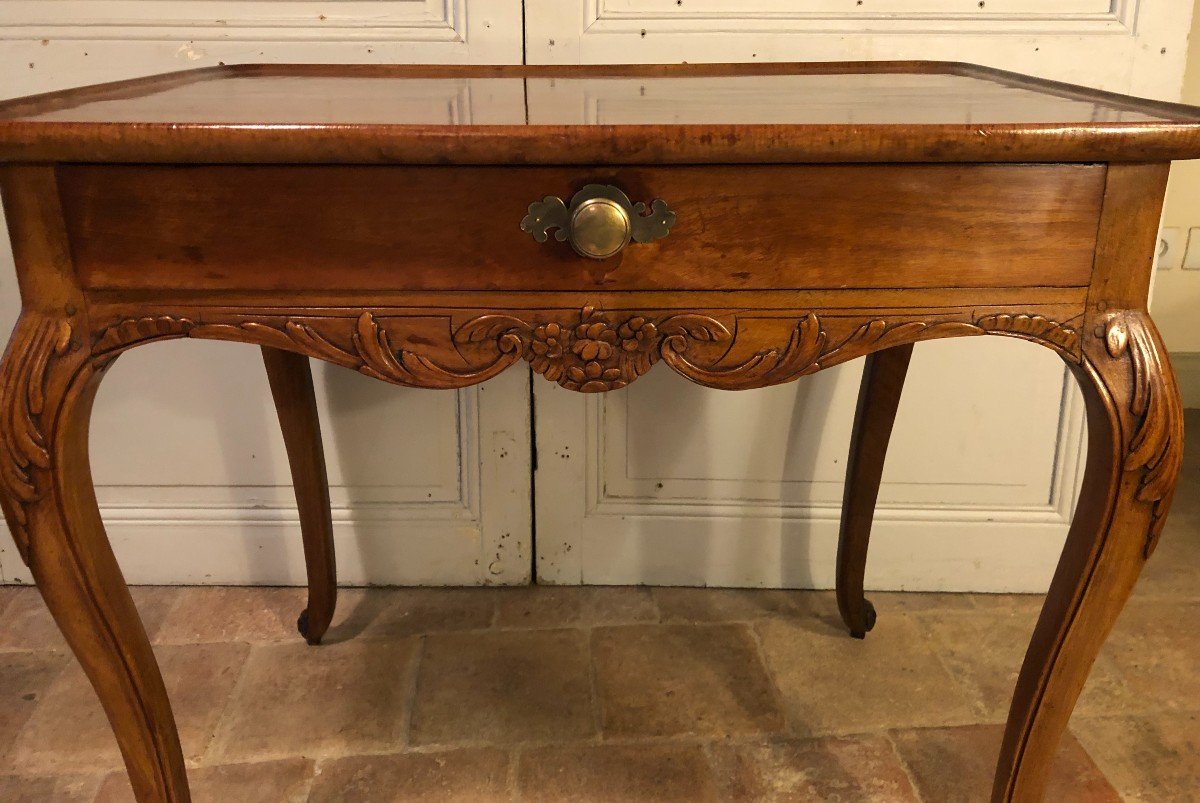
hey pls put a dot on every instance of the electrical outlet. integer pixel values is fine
(1191, 259)
(1170, 247)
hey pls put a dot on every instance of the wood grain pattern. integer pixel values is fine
(420, 276)
(1135, 443)
(50, 378)
(79, 579)
(878, 400)
(442, 229)
(156, 120)
(296, 405)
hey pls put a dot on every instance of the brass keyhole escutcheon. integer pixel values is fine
(600, 222)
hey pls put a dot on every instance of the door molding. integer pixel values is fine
(376, 20)
(473, 531)
(608, 540)
(1086, 17)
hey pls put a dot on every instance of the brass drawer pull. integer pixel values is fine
(600, 221)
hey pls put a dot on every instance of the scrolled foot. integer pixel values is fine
(867, 623)
(302, 626)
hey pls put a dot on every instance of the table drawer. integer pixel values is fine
(269, 228)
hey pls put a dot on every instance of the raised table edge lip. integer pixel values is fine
(1176, 136)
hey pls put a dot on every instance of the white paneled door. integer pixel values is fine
(663, 482)
(669, 483)
(429, 487)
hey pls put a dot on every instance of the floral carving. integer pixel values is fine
(1155, 445)
(594, 352)
(24, 446)
(599, 352)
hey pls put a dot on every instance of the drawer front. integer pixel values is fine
(314, 228)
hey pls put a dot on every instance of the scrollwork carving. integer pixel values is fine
(371, 352)
(1155, 442)
(36, 345)
(600, 351)
(593, 351)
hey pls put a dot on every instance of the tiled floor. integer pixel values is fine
(613, 694)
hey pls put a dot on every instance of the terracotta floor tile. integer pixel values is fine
(563, 606)
(1009, 603)
(958, 764)
(154, 604)
(502, 687)
(863, 769)
(24, 679)
(834, 684)
(285, 781)
(293, 699)
(608, 772)
(1174, 568)
(7, 595)
(730, 604)
(44, 788)
(69, 729)
(888, 602)
(984, 652)
(224, 613)
(1155, 649)
(930, 659)
(1153, 758)
(28, 625)
(656, 680)
(471, 774)
(412, 611)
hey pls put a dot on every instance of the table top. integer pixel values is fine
(820, 112)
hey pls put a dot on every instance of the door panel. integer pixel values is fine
(427, 487)
(1136, 46)
(664, 482)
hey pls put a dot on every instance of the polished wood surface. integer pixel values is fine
(456, 228)
(771, 113)
(296, 404)
(274, 95)
(421, 276)
(878, 400)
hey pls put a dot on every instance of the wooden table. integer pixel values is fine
(757, 224)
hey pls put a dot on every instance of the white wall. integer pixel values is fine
(428, 487)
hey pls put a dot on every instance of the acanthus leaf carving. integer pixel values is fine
(1061, 337)
(371, 351)
(132, 331)
(596, 351)
(24, 445)
(767, 367)
(879, 334)
(1155, 443)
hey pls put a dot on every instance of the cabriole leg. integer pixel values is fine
(1135, 447)
(296, 403)
(47, 385)
(878, 399)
